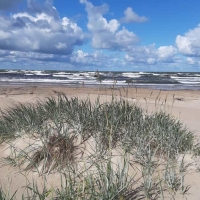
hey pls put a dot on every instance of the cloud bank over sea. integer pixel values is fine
(37, 34)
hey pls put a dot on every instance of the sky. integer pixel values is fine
(108, 35)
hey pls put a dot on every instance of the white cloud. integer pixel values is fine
(33, 60)
(77, 60)
(151, 55)
(39, 38)
(93, 59)
(189, 44)
(106, 34)
(96, 21)
(190, 60)
(80, 57)
(195, 61)
(151, 61)
(166, 53)
(39, 32)
(132, 17)
(125, 38)
(96, 60)
(144, 56)
(120, 40)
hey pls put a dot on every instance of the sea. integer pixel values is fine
(154, 80)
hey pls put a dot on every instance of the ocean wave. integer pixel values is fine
(131, 75)
(143, 79)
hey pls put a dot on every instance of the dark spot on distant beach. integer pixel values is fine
(113, 88)
(179, 99)
(56, 92)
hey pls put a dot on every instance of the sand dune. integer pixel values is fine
(184, 105)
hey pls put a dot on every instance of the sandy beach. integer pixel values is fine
(183, 104)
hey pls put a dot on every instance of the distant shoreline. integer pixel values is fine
(165, 87)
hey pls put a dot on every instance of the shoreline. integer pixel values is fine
(163, 87)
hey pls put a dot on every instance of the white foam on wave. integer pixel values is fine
(190, 82)
(111, 82)
(67, 81)
(186, 77)
(29, 74)
(131, 75)
(37, 80)
(10, 71)
(95, 73)
(75, 76)
(90, 78)
(39, 73)
(187, 80)
(92, 73)
(87, 75)
(61, 75)
(144, 73)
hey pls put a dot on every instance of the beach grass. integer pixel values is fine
(112, 150)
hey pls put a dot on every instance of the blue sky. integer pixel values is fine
(111, 35)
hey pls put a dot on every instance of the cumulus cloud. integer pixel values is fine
(33, 60)
(145, 56)
(131, 17)
(195, 61)
(120, 40)
(166, 53)
(151, 55)
(42, 32)
(189, 44)
(106, 34)
(19, 56)
(80, 57)
(6, 4)
(77, 58)
(40, 38)
(96, 60)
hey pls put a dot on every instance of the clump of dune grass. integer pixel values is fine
(117, 119)
(59, 151)
(105, 181)
(62, 127)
